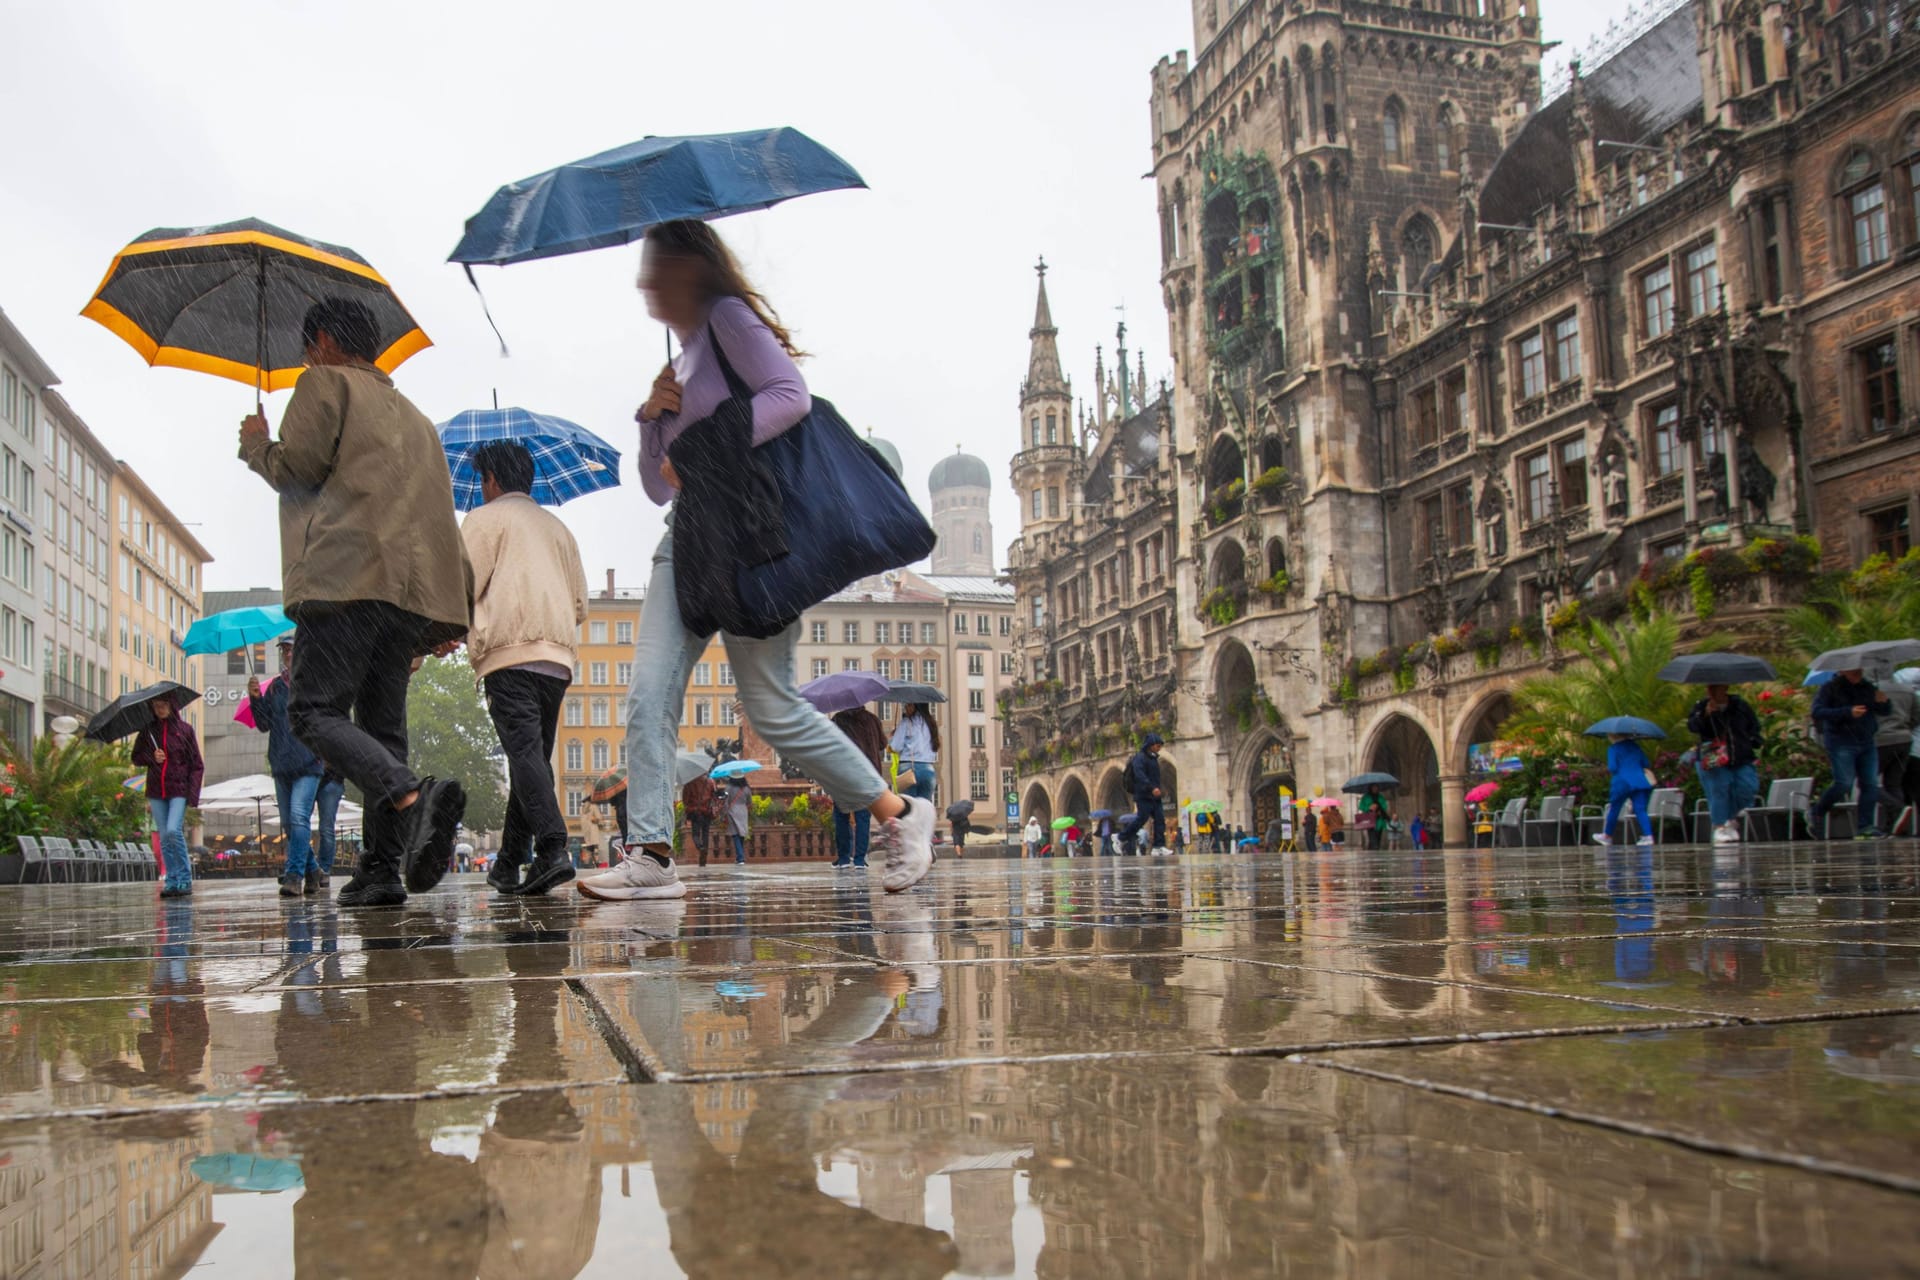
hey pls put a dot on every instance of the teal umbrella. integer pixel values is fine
(236, 629)
(247, 1173)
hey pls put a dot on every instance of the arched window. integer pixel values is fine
(1052, 438)
(1416, 250)
(1443, 124)
(1863, 212)
(1393, 148)
(1036, 431)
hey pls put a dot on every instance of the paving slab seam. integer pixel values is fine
(256, 1101)
(1450, 1038)
(1467, 986)
(641, 1066)
(278, 977)
(1694, 1142)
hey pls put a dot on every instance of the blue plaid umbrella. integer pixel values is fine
(569, 461)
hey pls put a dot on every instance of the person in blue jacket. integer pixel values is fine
(1627, 762)
(1847, 709)
(296, 777)
(1143, 780)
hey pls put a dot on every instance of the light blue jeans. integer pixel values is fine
(329, 796)
(923, 778)
(169, 819)
(663, 656)
(1729, 790)
(295, 793)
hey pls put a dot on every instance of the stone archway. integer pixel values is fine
(1402, 747)
(1112, 792)
(1038, 806)
(1268, 770)
(1481, 724)
(1072, 801)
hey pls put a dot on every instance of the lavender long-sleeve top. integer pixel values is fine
(780, 397)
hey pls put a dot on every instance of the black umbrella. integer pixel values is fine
(959, 809)
(1366, 781)
(910, 692)
(1717, 668)
(129, 713)
(229, 300)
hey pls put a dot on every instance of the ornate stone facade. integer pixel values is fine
(1449, 360)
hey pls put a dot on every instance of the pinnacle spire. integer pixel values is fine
(1043, 360)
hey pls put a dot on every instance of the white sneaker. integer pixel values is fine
(1728, 834)
(1645, 842)
(1603, 839)
(638, 877)
(1162, 852)
(905, 844)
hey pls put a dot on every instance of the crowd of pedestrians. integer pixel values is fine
(377, 573)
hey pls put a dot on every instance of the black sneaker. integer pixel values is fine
(373, 887)
(432, 821)
(547, 871)
(503, 876)
(293, 886)
(316, 881)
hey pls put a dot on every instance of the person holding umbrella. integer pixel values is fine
(739, 815)
(1373, 814)
(171, 753)
(1729, 733)
(529, 599)
(374, 573)
(693, 283)
(1632, 773)
(916, 740)
(1848, 709)
(296, 775)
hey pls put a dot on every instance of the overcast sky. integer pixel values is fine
(990, 132)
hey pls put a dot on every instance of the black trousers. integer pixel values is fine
(1155, 811)
(525, 707)
(348, 702)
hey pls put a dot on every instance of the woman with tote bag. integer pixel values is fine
(732, 391)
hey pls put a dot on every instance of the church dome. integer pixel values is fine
(960, 471)
(887, 451)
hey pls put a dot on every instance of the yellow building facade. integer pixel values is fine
(158, 578)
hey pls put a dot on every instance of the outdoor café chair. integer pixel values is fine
(1666, 805)
(1786, 799)
(1548, 827)
(1510, 826)
(60, 856)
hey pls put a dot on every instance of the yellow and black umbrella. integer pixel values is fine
(229, 300)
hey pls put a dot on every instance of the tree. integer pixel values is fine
(1617, 675)
(1878, 601)
(450, 735)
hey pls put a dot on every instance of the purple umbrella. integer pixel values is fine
(844, 690)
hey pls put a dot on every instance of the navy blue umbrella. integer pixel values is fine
(1632, 726)
(569, 461)
(611, 198)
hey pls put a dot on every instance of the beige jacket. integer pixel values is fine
(529, 590)
(366, 501)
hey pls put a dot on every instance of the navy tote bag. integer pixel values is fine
(843, 513)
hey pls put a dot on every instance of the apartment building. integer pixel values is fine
(24, 379)
(157, 586)
(76, 595)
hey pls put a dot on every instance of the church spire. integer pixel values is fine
(1043, 360)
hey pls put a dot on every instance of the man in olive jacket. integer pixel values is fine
(373, 571)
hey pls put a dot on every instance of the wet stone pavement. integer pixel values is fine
(1512, 1063)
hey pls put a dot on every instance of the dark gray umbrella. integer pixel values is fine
(1717, 668)
(910, 692)
(129, 713)
(959, 809)
(1366, 781)
(1877, 658)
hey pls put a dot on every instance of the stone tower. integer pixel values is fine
(1043, 469)
(961, 484)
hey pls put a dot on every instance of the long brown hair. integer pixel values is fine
(686, 238)
(925, 713)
